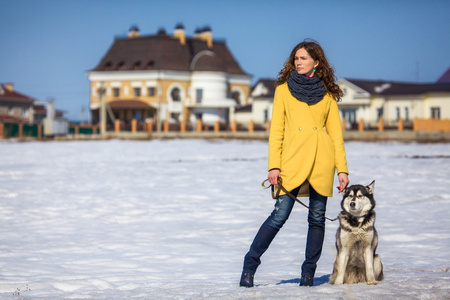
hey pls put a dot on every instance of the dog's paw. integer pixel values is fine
(372, 282)
(338, 282)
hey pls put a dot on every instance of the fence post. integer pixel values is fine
(77, 130)
(251, 126)
(216, 126)
(117, 125)
(400, 124)
(361, 125)
(2, 130)
(267, 125)
(133, 125)
(199, 125)
(234, 126)
(20, 130)
(183, 126)
(344, 125)
(150, 126)
(166, 126)
(380, 124)
(39, 132)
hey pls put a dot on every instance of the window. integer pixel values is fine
(397, 109)
(108, 66)
(406, 114)
(137, 65)
(116, 92)
(175, 94)
(236, 97)
(380, 112)
(151, 91)
(435, 112)
(121, 66)
(198, 95)
(150, 65)
(137, 92)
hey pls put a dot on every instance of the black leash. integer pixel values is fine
(281, 188)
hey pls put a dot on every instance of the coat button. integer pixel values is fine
(314, 128)
(299, 128)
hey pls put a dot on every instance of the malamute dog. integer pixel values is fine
(357, 239)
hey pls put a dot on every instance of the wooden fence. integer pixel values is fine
(20, 130)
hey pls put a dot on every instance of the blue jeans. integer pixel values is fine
(276, 220)
(284, 205)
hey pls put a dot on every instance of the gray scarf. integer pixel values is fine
(306, 89)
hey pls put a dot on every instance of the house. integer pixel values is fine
(366, 99)
(15, 107)
(168, 77)
(261, 102)
(373, 99)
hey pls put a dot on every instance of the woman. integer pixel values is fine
(305, 149)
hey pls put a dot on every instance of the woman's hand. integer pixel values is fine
(343, 181)
(273, 176)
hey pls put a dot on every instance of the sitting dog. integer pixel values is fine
(357, 239)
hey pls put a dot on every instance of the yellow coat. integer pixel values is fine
(306, 142)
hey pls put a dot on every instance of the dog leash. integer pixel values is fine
(281, 187)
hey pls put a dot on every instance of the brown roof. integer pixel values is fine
(164, 52)
(445, 78)
(128, 104)
(390, 88)
(7, 95)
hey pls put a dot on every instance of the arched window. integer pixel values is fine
(236, 96)
(175, 94)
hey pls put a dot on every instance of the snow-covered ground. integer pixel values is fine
(173, 219)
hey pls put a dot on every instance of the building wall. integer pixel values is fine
(215, 86)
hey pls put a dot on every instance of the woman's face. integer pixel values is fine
(304, 63)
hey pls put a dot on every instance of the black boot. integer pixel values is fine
(313, 251)
(260, 244)
(246, 279)
(307, 280)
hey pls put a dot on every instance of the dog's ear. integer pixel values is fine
(371, 187)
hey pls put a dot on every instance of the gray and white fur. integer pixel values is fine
(357, 239)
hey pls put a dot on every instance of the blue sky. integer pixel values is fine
(47, 46)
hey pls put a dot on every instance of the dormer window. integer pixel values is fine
(150, 65)
(121, 66)
(137, 65)
(108, 66)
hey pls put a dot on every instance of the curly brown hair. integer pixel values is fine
(323, 71)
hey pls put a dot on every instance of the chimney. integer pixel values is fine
(207, 36)
(204, 34)
(9, 86)
(133, 32)
(180, 34)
